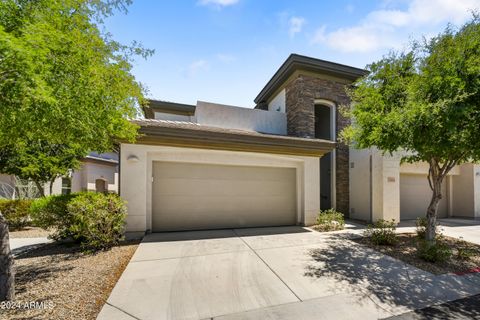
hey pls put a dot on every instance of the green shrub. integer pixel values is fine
(382, 232)
(51, 213)
(16, 212)
(421, 227)
(98, 220)
(438, 252)
(330, 220)
(465, 250)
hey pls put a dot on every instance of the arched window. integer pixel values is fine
(101, 185)
(325, 121)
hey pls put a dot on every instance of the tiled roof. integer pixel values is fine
(204, 128)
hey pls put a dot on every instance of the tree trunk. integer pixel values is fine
(51, 187)
(7, 275)
(435, 179)
(40, 188)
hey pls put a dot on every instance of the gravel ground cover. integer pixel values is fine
(406, 251)
(58, 281)
(29, 232)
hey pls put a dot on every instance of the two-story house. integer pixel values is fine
(208, 165)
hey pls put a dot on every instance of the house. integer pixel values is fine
(98, 172)
(210, 166)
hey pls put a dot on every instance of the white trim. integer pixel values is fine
(333, 135)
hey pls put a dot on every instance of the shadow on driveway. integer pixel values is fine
(385, 279)
(222, 233)
(467, 308)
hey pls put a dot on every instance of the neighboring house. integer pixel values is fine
(98, 172)
(209, 166)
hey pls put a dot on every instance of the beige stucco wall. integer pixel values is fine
(172, 117)
(466, 191)
(360, 188)
(136, 177)
(232, 117)
(462, 186)
(84, 178)
(277, 104)
(375, 193)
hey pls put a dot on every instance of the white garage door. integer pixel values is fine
(415, 195)
(189, 196)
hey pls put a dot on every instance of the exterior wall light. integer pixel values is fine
(132, 158)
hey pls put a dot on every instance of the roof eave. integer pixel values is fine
(297, 62)
(182, 137)
(167, 107)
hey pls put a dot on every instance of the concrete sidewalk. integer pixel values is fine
(272, 273)
(19, 245)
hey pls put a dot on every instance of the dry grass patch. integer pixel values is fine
(406, 246)
(77, 284)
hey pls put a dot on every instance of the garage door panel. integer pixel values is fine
(415, 195)
(188, 196)
(202, 187)
(182, 205)
(191, 172)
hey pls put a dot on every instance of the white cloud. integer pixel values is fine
(295, 25)
(218, 3)
(195, 67)
(389, 28)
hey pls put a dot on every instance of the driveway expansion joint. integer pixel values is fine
(273, 271)
(119, 309)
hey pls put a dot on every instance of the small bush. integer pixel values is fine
(330, 220)
(98, 220)
(51, 213)
(465, 250)
(382, 232)
(438, 252)
(16, 212)
(421, 227)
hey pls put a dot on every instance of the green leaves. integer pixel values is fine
(425, 101)
(63, 82)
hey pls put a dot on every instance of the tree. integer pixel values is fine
(426, 103)
(40, 162)
(65, 85)
(7, 288)
(65, 90)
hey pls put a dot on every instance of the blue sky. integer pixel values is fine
(225, 51)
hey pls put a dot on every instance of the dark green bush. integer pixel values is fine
(382, 232)
(437, 252)
(98, 220)
(16, 212)
(421, 227)
(330, 220)
(51, 213)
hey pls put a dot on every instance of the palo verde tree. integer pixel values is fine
(424, 103)
(65, 90)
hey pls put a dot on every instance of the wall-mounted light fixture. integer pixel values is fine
(132, 158)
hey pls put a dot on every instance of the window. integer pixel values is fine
(66, 185)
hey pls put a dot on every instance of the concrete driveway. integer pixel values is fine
(272, 273)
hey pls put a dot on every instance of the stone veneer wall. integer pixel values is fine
(301, 93)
